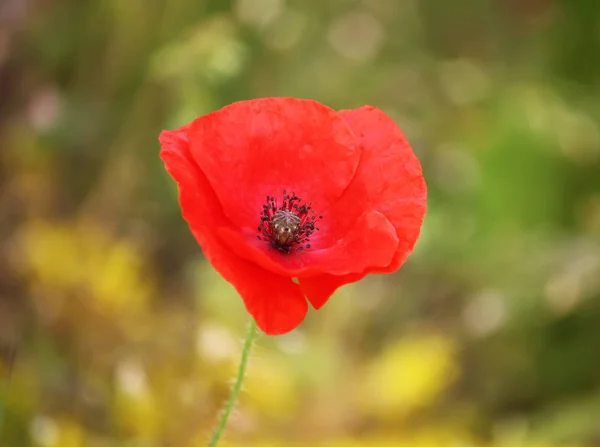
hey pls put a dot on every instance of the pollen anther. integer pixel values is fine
(287, 227)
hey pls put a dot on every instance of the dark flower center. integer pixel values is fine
(287, 227)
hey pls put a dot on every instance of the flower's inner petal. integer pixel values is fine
(253, 149)
(388, 184)
(372, 241)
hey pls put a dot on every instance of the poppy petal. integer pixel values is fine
(318, 289)
(253, 149)
(276, 302)
(389, 179)
(371, 242)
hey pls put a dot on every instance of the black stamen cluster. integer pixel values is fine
(287, 227)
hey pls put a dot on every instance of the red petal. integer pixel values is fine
(370, 242)
(319, 288)
(253, 149)
(276, 302)
(389, 179)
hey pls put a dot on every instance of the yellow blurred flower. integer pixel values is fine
(48, 432)
(270, 386)
(137, 409)
(409, 375)
(430, 436)
(85, 260)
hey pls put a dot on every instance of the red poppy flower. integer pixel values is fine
(290, 199)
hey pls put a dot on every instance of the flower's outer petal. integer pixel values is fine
(319, 288)
(389, 179)
(276, 302)
(257, 148)
(371, 242)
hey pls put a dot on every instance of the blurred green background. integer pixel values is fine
(119, 334)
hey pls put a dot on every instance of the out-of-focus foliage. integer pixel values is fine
(114, 332)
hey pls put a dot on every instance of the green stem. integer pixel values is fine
(237, 386)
